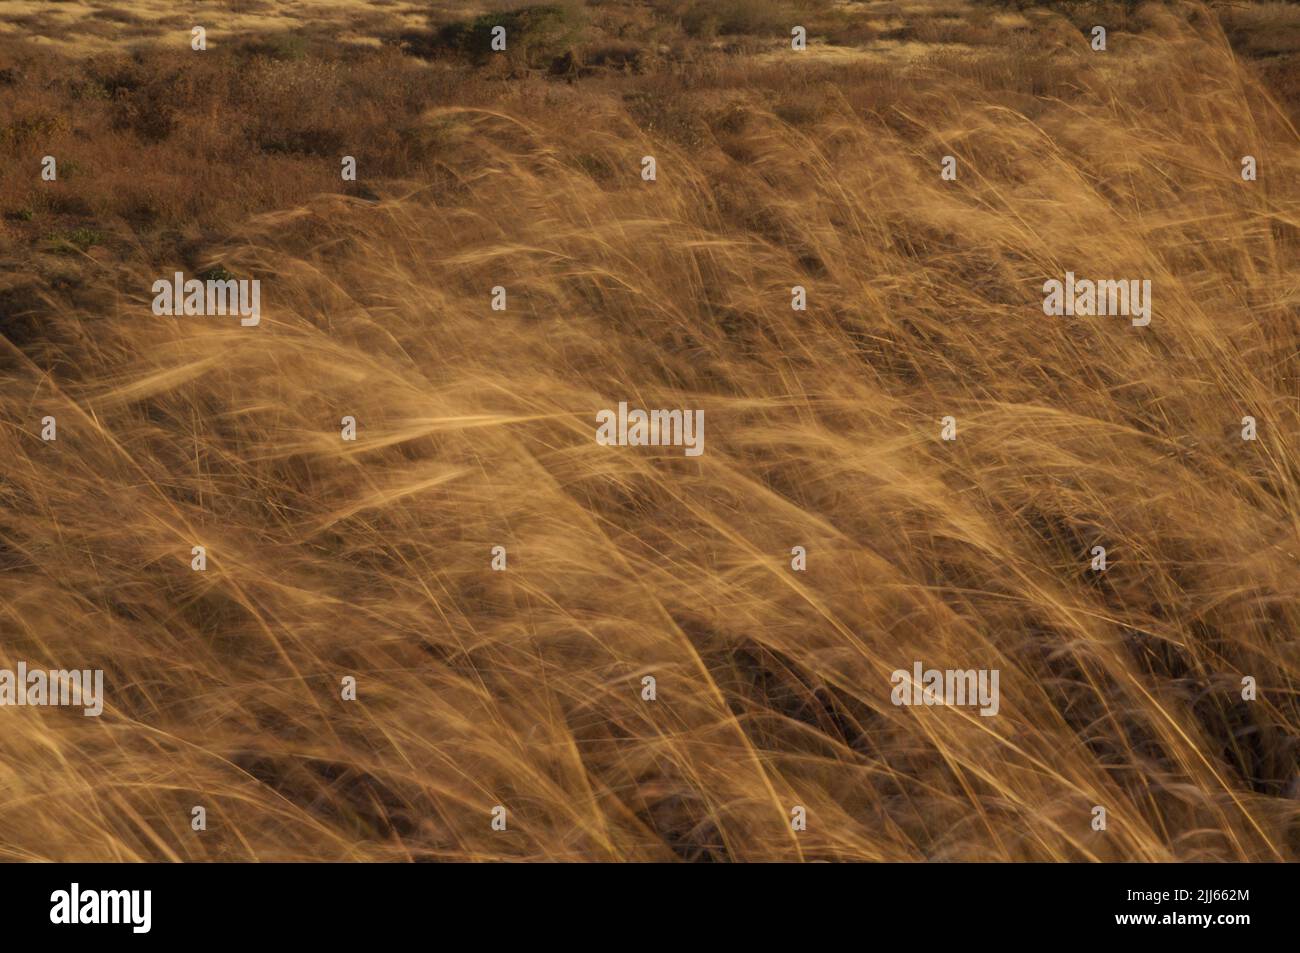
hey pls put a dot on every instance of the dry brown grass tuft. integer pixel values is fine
(522, 687)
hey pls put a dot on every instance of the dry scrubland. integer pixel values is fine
(522, 687)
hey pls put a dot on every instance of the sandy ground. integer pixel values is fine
(82, 27)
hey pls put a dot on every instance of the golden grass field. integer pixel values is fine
(523, 688)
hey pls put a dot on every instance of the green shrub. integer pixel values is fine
(75, 239)
(535, 36)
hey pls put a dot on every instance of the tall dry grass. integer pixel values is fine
(523, 688)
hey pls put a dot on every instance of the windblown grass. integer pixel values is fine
(522, 688)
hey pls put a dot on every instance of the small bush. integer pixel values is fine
(75, 239)
(535, 36)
